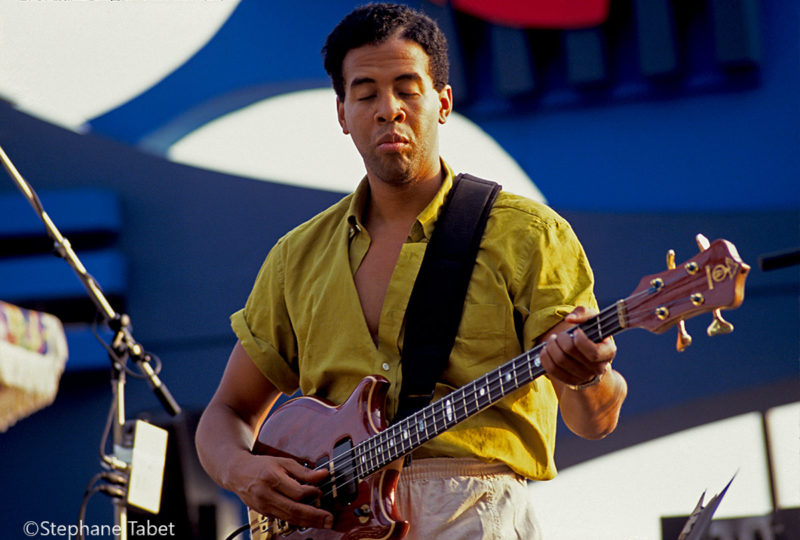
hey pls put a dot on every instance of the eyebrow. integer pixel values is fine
(414, 77)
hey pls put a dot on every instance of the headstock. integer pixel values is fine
(710, 281)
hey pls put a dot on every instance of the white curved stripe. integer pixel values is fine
(296, 139)
(68, 61)
(666, 476)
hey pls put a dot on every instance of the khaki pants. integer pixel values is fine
(465, 499)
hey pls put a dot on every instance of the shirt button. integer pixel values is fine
(385, 366)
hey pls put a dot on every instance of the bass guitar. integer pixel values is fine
(362, 453)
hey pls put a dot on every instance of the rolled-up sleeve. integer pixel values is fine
(556, 279)
(264, 328)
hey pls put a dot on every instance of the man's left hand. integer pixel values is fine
(570, 357)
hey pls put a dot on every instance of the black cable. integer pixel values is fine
(95, 323)
(91, 489)
(238, 531)
(107, 430)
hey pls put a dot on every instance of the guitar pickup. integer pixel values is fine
(343, 478)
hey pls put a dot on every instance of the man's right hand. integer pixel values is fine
(281, 488)
(275, 487)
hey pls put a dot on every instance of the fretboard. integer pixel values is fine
(410, 433)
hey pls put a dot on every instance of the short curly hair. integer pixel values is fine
(373, 24)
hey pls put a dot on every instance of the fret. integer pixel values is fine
(370, 461)
(364, 458)
(463, 407)
(371, 456)
(434, 416)
(529, 364)
(395, 443)
(469, 392)
(389, 441)
(405, 437)
(380, 453)
(363, 463)
(429, 422)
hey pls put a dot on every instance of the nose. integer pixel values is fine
(389, 109)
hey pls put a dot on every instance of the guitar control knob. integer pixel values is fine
(362, 513)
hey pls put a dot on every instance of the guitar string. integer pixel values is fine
(402, 435)
(374, 452)
(373, 449)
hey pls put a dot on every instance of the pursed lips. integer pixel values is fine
(391, 142)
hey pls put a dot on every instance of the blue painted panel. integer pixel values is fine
(74, 210)
(46, 278)
(85, 352)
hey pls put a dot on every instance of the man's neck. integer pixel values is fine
(399, 205)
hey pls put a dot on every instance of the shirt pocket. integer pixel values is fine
(481, 336)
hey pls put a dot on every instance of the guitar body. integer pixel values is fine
(312, 431)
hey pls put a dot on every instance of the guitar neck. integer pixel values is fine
(412, 432)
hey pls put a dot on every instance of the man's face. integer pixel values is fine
(392, 110)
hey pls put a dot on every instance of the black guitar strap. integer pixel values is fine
(437, 299)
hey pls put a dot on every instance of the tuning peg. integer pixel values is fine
(671, 259)
(684, 339)
(702, 242)
(719, 325)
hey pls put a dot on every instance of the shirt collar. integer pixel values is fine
(423, 226)
(426, 220)
(358, 202)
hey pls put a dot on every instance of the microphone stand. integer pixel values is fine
(123, 348)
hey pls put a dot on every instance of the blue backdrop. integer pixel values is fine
(640, 154)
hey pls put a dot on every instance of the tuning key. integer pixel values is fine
(684, 339)
(702, 242)
(719, 325)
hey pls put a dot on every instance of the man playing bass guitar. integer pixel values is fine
(328, 305)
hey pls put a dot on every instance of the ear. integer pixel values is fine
(445, 103)
(340, 114)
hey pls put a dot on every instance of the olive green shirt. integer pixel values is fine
(304, 328)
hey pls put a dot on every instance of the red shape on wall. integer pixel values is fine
(557, 14)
